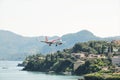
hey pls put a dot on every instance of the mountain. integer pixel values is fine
(17, 47)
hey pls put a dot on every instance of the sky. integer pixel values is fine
(59, 17)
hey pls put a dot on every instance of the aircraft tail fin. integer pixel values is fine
(46, 38)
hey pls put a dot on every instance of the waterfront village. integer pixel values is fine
(104, 64)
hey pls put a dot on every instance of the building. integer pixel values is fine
(116, 60)
(104, 68)
(96, 56)
(79, 55)
(116, 42)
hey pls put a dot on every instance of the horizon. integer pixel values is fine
(57, 35)
(56, 18)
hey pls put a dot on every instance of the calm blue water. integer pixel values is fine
(10, 71)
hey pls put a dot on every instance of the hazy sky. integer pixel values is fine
(58, 17)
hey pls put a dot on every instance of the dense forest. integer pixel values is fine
(63, 61)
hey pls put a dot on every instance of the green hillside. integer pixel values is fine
(64, 61)
(16, 47)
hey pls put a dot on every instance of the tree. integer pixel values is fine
(77, 47)
(119, 50)
(103, 48)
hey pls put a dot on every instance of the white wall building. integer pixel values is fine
(116, 60)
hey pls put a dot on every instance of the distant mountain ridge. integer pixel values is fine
(17, 47)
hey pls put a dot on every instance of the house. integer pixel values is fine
(116, 60)
(96, 56)
(116, 42)
(105, 68)
(79, 55)
(92, 56)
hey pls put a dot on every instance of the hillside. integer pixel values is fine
(82, 58)
(17, 47)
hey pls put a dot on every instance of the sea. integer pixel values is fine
(10, 71)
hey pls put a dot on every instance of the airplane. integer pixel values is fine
(55, 41)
